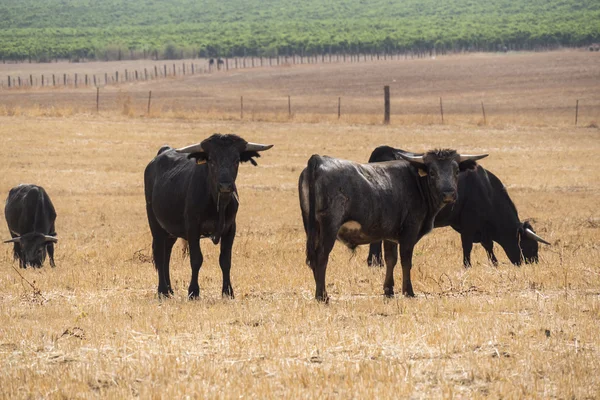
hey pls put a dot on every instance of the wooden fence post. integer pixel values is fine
(106, 78)
(165, 70)
(145, 74)
(183, 66)
(241, 107)
(483, 111)
(149, 101)
(174, 70)
(65, 79)
(95, 83)
(442, 110)
(289, 107)
(386, 100)
(75, 80)
(576, 111)
(156, 72)
(126, 76)
(8, 80)
(30, 80)
(86, 80)
(192, 68)
(117, 76)
(53, 80)
(97, 98)
(42, 80)
(339, 107)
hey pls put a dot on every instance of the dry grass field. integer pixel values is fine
(94, 327)
(532, 89)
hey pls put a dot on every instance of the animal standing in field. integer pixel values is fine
(30, 216)
(220, 63)
(191, 194)
(483, 213)
(395, 201)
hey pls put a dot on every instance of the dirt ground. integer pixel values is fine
(93, 326)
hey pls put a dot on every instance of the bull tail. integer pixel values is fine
(312, 226)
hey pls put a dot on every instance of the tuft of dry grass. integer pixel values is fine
(510, 332)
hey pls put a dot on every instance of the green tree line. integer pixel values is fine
(117, 29)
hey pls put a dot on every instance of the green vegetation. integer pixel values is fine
(114, 29)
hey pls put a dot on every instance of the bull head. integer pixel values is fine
(221, 155)
(30, 248)
(442, 168)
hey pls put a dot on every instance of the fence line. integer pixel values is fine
(188, 68)
(337, 109)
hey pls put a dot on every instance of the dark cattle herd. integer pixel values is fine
(395, 199)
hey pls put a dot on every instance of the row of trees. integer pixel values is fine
(269, 28)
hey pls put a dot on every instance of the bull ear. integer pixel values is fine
(415, 160)
(200, 158)
(247, 156)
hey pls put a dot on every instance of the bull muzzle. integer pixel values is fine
(448, 196)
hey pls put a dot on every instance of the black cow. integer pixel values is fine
(191, 194)
(395, 201)
(483, 213)
(30, 216)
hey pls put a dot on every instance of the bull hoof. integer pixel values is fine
(389, 293)
(164, 294)
(410, 294)
(228, 294)
(193, 294)
(322, 299)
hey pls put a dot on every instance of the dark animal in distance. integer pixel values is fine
(483, 213)
(30, 216)
(220, 63)
(394, 201)
(191, 194)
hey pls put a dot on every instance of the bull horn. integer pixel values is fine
(465, 157)
(416, 159)
(193, 148)
(257, 147)
(49, 238)
(14, 240)
(531, 235)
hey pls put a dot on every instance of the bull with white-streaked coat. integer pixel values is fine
(394, 201)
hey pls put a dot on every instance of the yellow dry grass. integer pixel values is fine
(96, 327)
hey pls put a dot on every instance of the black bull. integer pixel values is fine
(483, 213)
(191, 194)
(394, 201)
(30, 216)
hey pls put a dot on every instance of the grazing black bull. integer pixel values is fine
(30, 216)
(483, 213)
(191, 194)
(395, 201)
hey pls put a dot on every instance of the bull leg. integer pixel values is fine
(168, 243)
(467, 246)
(196, 260)
(320, 267)
(50, 249)
(225, 261)
(406, 253)
(159, 237)
(391, 258)
(488, 245)
(374, 258)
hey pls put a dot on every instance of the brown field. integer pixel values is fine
(534, 89)
(93, 326)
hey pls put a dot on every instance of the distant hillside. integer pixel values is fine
(110, 29)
